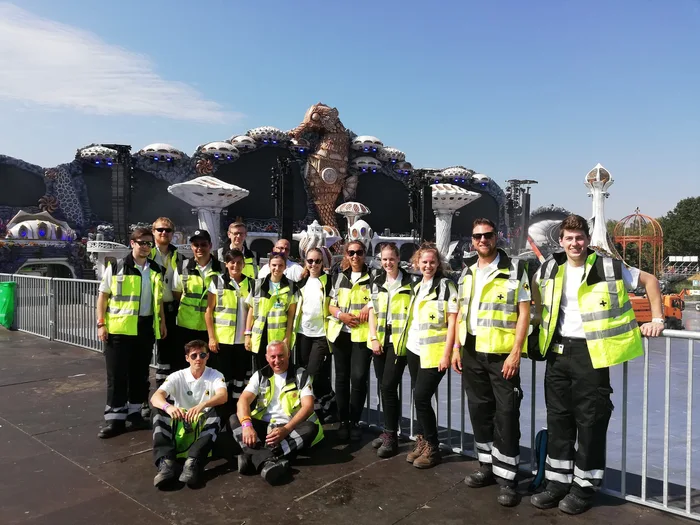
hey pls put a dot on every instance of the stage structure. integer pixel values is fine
(108, 189)
(598, 180)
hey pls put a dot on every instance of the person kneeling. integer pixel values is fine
(187, 428)
(283, 420)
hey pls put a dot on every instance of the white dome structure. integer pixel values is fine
(403, 168)
(243, 143)
(38, 227)
(268, 135)
(365, 165)
(366, 144)
(221, 151)
(99, 155)
(456, 173)
(389, 154)
(161, 152)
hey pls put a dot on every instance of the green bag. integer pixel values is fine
(7, 303)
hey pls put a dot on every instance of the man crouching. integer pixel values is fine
(187, 428)
(282, 421)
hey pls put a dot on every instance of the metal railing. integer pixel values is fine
(650, 445)
(57, 309)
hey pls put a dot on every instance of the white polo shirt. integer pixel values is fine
(188, 392)
(274, 413)
(146, 302)
(162, 259)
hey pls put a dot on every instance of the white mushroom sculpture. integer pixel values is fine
(352, 211)
(447, 199)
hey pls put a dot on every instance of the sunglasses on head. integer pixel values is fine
(164, 230)
(488, 236)
(201, 355)
(145, 243)
(313, 261)
(359, 253)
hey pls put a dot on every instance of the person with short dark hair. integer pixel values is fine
(187, 427)
(494, 302)
(190, 284)
(237, 233)
(292, 270)
(226, 316)
(587, 326)
(129, 321)
(282, 421)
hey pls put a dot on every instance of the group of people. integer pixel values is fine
(238, 323)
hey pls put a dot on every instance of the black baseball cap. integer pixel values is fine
(200, 234)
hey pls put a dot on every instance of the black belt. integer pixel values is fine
(568, 340)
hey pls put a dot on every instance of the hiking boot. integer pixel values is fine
(245, 464)
(355, 432)
(377, 442)
(429, 458)
(112, 429)
(481, 477)
(274, 470)
(344, 431)
(166, 472)
(547, 499)
(508, 497)
(573, 504)
(389, 446)
(191, 472)
(417, 449)
(137, 422)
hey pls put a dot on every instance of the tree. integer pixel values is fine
(682, 228)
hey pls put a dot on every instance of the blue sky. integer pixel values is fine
(538, 90)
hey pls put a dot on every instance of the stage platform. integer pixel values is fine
(56, 471)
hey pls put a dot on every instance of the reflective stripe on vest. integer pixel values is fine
(432, 322)
(350, 298)
(226, 310)
(270, 313)
(123, 305)
(398, 310)
(497, 314)
(193, 302)
(289, 399)
(611, 331)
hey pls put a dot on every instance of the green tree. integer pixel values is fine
(681, 228)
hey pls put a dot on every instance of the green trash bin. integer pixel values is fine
(7, 303)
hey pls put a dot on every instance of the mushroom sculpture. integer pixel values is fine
(447, 199)
(352, 211)
(208, 196)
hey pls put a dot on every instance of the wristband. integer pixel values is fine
(101, 320)
(164, 408)
(456, 347)
(248, 332)
(247, 424)
(657, 320)
(337, 314)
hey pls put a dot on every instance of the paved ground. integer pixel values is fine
(55, 470)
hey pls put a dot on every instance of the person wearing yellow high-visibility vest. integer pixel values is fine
(237, 233)
(312, 351)
(190, 285)
(587, 326)
(348, 332)
(272, 304)
(427, 344)
(391, 295)
(129, 321)
(494, 301)
(282, 419)
(226, 316)
(168, 355)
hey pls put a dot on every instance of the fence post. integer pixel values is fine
(52, 309)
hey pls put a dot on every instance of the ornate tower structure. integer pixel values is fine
(598, 181)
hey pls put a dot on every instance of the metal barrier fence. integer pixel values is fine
(650, 445)
(57, 309)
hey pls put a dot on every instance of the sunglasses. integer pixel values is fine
(164, 230)
(488, 236)
(201, 355)
(359, 253)
(313, 261)
(145, 243)
(200, 245)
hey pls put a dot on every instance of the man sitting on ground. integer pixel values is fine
(283, 420)
(187, 428)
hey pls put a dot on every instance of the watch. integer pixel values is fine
(100, 325)
(373, 338)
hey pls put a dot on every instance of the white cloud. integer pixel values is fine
(57, 65)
